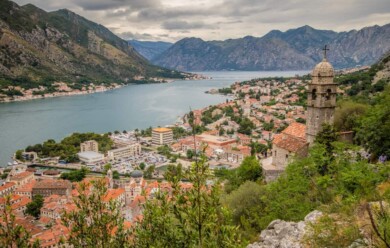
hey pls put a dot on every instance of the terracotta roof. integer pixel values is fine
(23, 202)
(22, 175)
(13, 199)
(113, 194)
(7, 185)
(162, 130)
(288, 142)
(52, 184)
(297, 130)
(27, 187)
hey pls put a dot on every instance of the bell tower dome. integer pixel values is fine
(321, 98)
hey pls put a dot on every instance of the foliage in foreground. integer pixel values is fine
(306, 186)
(96, 222)
(12, 234)
(192, 217)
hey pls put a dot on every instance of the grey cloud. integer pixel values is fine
(112, 4)
(183, 25)
(233, 18)
(136, 36)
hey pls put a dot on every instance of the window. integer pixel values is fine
(328, 94)
(313, 94)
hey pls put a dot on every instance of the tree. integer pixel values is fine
(257, 148)
(347, 115)
(115, 174)
(326, 137)
(246, 204)
(19, 154)
(188, 218)
(149, 172)
(142, 166)
(374, 127)
(246, 126)
(11, 234)
(75, 176)
(34, 208)
(95, 222)
(250, 169)
(190, 153)
(106, 168)
(174, 172)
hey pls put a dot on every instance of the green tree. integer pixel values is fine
(18, 154)
(95, 222)
(174, 172)
(11, 234)
(374, 129)
(115, 174)
(34, 208)
(247, 203)
(149, 172)
(348, 114)
(75, 176)
(142, 166)
(190, 153)
(106, 168)
(250, 169)
(190, 218)
(246, 126)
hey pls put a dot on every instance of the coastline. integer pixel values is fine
(60, 94)
(91, 90)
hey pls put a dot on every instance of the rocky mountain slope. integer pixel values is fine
(150, 49)
(295, 49)
(40, 47)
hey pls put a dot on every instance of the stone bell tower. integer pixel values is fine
(321, 98)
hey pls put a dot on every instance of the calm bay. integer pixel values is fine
(133, 106)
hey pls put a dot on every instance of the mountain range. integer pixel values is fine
(295, 49)
(40, 47)
(150, 49)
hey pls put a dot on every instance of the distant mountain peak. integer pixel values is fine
(294, 49)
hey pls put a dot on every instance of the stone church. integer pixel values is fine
(297, 137)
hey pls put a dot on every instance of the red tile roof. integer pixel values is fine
(22, 175)
(296, 129)
(288, 142)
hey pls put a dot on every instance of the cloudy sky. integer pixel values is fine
(171, 20)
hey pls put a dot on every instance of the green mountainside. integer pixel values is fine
(38, 48)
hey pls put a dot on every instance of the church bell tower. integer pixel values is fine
(321, 98)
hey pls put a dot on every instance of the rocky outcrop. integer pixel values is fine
(283, 234)
(295, 49)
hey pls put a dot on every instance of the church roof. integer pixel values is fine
(292, 139)
(297, 130)
(323, 69)
(288, 142)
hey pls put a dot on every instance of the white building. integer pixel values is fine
(90, 157)
(123, 152)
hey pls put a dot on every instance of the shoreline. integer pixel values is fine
(59, 94)
(91, 91)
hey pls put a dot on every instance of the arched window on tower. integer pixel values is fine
(328, 94)
(313, 94)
